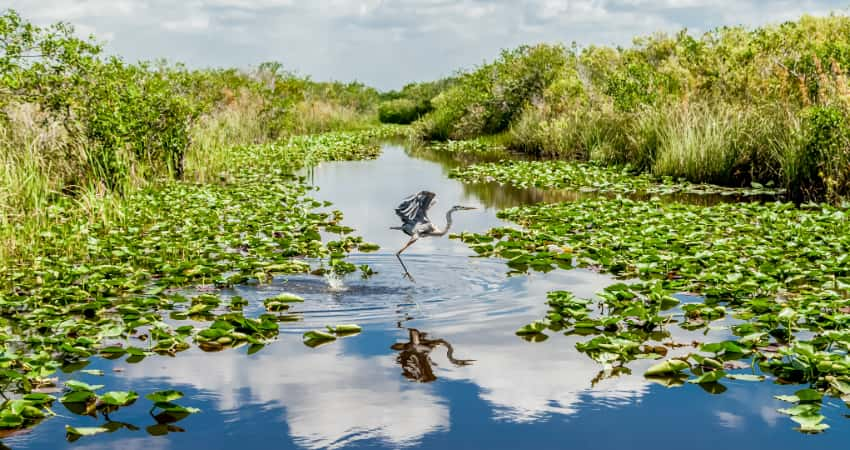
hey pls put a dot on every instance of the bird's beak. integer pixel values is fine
(469, 207)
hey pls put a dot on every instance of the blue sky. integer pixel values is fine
(385, 43)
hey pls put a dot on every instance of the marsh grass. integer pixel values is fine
(730, 106)
(319, 116)
(47, 176)
(235, 123)
(700, 142)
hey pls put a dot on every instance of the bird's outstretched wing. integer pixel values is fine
(414, 209)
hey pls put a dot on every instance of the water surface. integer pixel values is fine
(438, 364)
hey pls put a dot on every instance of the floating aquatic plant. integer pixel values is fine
(781, 271)
(590, 177)
(120, 293)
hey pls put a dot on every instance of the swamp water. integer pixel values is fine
(437, 365)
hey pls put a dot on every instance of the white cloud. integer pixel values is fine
(188, 25)
(386, 43)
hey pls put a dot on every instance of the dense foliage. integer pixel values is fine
(412, 102)
(488, 99)
(74, 121)
(730, 106)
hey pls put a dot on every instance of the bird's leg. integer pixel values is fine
(398, 255)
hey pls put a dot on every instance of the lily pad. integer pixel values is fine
(670, 366)
(119, 398)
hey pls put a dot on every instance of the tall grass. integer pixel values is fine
(701, 142)
(40, 163)
(234, 122)
(318, 116)
(730, 106)
(47, 179)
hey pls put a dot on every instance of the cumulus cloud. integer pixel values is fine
(386, 43)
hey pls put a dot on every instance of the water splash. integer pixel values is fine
(335, 281)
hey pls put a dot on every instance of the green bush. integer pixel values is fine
(820, 168)
(74, 121)
(401, 111)
(729, 106)
(487, 100)
(135, 110)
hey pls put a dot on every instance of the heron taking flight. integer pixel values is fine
(413, 212)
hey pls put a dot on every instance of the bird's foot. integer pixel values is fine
(409, 277)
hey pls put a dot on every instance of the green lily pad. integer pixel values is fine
(77, 397)
(532, 328)
(164, 396)
(75, 385)
(74, 433)
(709, 377)
(316, 335)
(287, 298)
(345, 329)
(118, 398)
(667, 367)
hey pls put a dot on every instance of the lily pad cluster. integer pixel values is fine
(342, 145)
(478, 145)
(591, 177)
(315, 338)
(782, 273)
(110, 288)
(82, 400)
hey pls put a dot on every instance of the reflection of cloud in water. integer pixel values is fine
(729, 420)
(525, 381)
(331, 399)
(150, 443)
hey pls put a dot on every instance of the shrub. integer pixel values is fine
(730, 106)
(401, 111)
(820, 168)
(487, 100)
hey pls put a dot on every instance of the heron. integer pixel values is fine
(413, 212)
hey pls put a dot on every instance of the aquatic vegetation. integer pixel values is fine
(591, 177)
(780, 271)
(116, 289)
(315, 338)
(477, 145)
(25, 411)
(167, 412)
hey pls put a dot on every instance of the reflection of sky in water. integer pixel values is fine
(351, 393)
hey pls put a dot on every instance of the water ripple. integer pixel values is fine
(448, 288)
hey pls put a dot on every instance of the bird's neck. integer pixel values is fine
(448, 225)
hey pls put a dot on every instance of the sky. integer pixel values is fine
(385, 43)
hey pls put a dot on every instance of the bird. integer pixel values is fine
(413, 212)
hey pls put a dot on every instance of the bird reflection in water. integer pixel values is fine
(414, 356)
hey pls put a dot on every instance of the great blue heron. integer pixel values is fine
(413, 212)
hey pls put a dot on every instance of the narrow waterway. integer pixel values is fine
(437, 365)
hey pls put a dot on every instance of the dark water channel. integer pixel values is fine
(437, 364)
